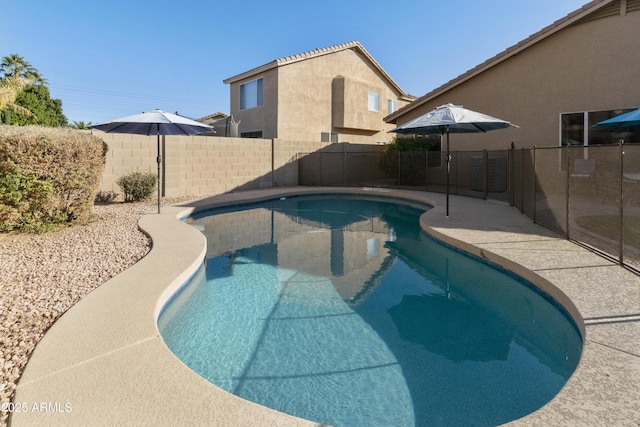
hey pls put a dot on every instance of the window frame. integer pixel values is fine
(390, 102)
(588, 134)
(375, 95)
(259, 94)
(251, 134)
(331, 137)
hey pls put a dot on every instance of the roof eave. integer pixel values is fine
(253, 72)
(558, 25)
(314, 54)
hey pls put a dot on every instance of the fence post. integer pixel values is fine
(510, 168)
(621, 201)
(522, 180)
(534, 184)
(567, 190)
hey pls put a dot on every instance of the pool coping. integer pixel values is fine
(104, 362)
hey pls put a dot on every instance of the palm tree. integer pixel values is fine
(16, 66)
(36, 77)
(10, 87)
(81, 125)
(17, 75)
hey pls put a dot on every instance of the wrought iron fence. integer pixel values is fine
(587, 194)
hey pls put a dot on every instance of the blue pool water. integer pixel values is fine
(343, 311)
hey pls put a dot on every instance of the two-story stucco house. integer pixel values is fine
(334, 94)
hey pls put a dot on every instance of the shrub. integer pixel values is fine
(49, 177)
(22, 197)
(137, 185)
(389, 158)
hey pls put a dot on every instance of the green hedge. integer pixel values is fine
(49, 177)
(389, 158)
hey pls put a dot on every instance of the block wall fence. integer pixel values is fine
(544, 183)
(199, 165)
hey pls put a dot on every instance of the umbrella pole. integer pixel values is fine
(448, 171)
(159, 160)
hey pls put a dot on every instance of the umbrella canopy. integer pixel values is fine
(632, 118)
(450, 118)
(453, 119)
(154, 123)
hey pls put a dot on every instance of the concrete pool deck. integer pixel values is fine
(104, 362)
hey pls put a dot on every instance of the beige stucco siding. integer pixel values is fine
(305, 101)
(263, 118)
(590, 66)
(307, 104)
(301, 100)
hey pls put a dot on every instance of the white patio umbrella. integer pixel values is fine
(447, 119)
(154, 123)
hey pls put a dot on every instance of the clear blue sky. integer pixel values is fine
(108, 59)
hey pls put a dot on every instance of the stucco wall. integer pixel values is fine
(299, 100)
(590, 66)
(210, 165)
(306, 102)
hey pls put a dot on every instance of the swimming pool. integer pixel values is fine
(343, 311)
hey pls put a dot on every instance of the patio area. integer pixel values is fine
(106, 359)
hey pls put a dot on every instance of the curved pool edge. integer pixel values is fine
(104, 362)
(106, 358)
(544, 285)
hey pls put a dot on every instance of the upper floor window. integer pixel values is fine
(392, 106)
(374, 99)
(251, 94)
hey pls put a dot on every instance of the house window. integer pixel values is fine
(252, 134)
(392, 106)
(251, 94)
(572, 129)
(577, 129)
(329, 137)
(373, 101)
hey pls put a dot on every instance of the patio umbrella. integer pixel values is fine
(154, 123)
(632, 118)
(447, 119)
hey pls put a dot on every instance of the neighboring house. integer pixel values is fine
(335, 94)
(223, 124)
(555, 85)
(212, 118)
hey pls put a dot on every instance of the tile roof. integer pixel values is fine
(218, 115)
(314, 54)
(547, 31)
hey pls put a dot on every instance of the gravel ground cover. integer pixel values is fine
(42, 276)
